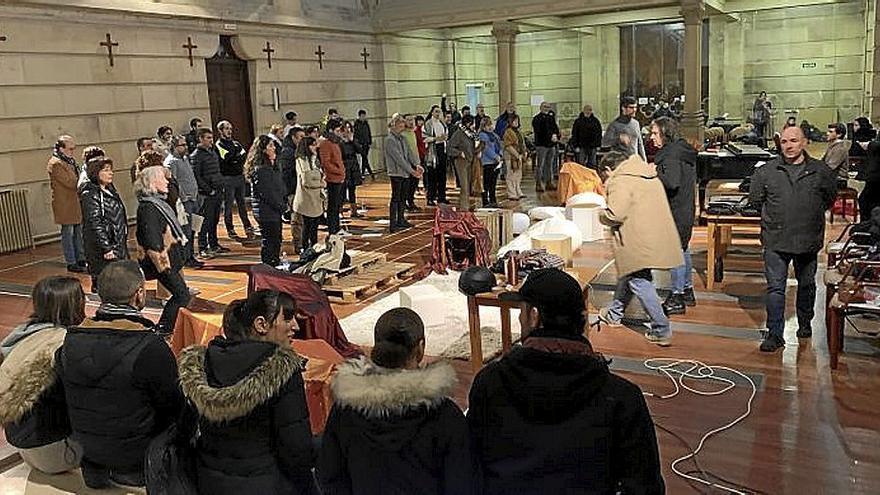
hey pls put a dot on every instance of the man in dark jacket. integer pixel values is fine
(192, 137)
(676, 167)
(287, 165)
(364, 137)
(206, 168)
(792, 191)
(586, 137)
(549, 417)
(232, 156)
(120, 381)
(546, 136)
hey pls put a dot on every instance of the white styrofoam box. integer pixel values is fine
(520, 222)
(587, 220)
(544, 212)
(425, 300)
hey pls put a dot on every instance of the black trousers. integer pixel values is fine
(411, 191)
(437, 184)
(270, 248)
(235, 186)
(173, 281)
(309, 231)
(210, 210)
(351, 194)
(490, 183)
(365, 161)
(334, 205)
(399, 193)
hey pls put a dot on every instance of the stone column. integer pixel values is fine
(505, 42)
(693, 12)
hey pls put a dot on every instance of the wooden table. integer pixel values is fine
(719, 235)
(583, 274)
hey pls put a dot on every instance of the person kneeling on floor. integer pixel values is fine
(248, 391)
(644, 238)
(120, 381)
(33, 411)
(549, 417)
(393, 427)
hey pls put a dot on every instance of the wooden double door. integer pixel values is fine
(229, 91)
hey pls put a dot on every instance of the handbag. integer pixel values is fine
(169, 463)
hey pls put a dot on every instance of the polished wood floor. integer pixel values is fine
(809, 431)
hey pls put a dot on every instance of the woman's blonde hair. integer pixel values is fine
(143, 184)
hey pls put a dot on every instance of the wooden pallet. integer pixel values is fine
(373, 278)
(360, 260)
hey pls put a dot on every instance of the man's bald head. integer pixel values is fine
(793, 141)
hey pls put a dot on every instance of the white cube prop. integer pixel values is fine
(587, 220)
(427, 301)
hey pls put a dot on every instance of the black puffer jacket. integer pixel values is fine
(33, 412)
(677, 169)
(105, 225)
(549, 418)
(120, 382)
(232, 157)
(395, 432)
(793, 204)
(253, 418)
(269, 200)
(350, 152)
(206, 168)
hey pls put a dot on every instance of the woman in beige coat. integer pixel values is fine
(644, 239)
(309, 198)
(514, 158)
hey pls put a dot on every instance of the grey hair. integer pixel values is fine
(668, 129)
(143, 184)
(395, 119)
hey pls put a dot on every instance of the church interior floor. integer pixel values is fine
(810, 429)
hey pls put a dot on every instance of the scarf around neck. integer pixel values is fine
(67, 159)
(169, 215)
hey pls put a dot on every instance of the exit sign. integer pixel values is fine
(809, 65)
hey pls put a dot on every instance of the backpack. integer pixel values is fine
(169, 463)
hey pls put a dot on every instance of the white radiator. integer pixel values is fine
(15, 225)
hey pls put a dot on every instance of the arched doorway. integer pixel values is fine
(229, 92)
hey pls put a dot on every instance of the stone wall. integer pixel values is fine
(56, 79)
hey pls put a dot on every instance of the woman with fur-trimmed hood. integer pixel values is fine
(393, 427)
(249, 394)
(33, 411)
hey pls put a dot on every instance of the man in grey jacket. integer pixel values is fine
(792, 192)
(837, 154)
(401, 163)
(624, 133)
(178, 162)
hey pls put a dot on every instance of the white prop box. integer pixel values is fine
(425, 300)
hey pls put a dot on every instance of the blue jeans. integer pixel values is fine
(544, 164)
(682, 275)
(641, 284)
(72, 243)
(776, 270)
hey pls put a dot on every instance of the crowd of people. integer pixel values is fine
(105, 393)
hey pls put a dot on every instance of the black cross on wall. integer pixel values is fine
(269, 51)
(189, 47)
(320, 53)
(109, 44)
(364, 55)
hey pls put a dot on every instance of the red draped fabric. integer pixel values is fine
(451, 224)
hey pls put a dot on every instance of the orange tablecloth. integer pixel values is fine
(199, 328)
(574, 178)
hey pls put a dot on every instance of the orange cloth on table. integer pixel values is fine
(574, 178)
(199, 328)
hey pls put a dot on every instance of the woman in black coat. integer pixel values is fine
(863, 132)
(269, 196)
(351, 149)
(393, 427)
(161, 242)
(249, 394)
(105, 224)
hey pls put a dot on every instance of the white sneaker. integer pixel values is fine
(608, 320)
